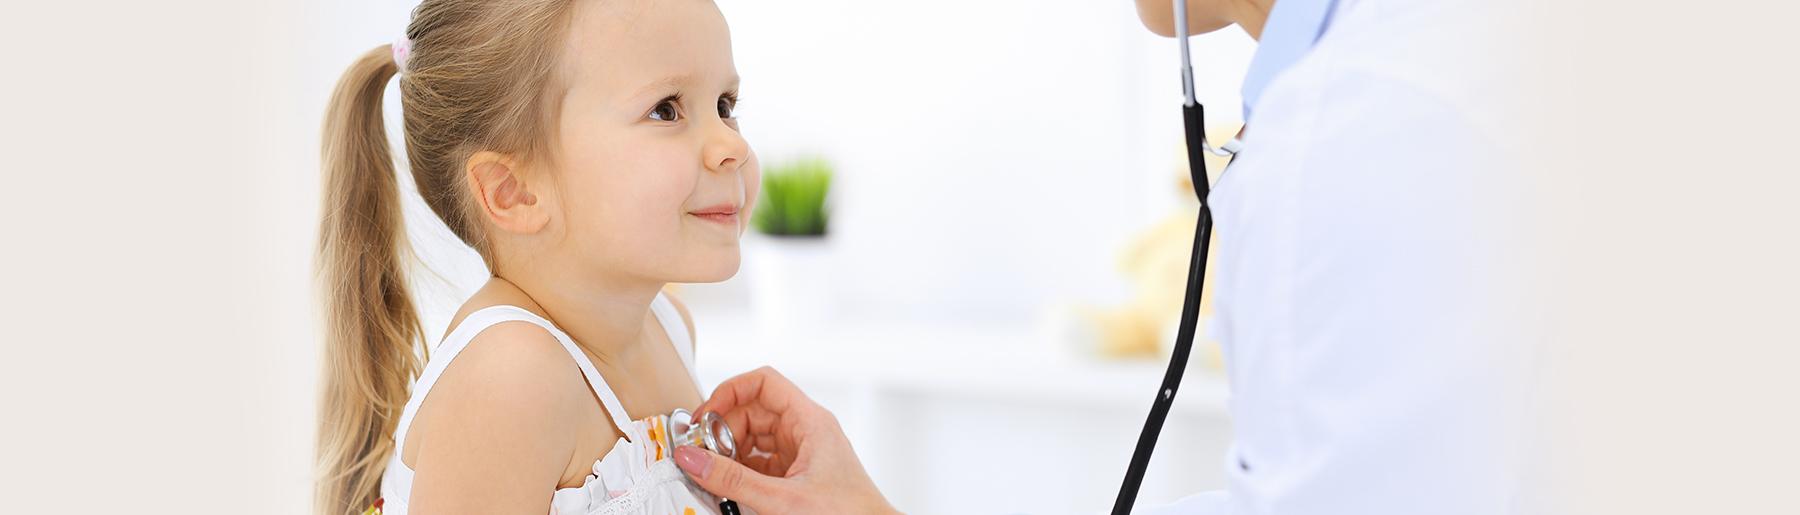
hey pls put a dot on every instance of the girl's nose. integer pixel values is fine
(726, 149)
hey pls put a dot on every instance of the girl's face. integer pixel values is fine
(653, 178)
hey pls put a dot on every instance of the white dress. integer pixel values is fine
(637, 476)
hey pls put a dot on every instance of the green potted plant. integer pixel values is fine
(790, 265)
(792, 203)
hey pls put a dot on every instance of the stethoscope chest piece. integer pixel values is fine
(710, 433)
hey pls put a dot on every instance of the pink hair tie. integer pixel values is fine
(402, 50)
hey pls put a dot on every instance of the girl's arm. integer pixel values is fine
(496, 433)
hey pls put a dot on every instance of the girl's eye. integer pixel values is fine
(665, 111)
(727, 107)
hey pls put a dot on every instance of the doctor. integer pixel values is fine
(1360, 278)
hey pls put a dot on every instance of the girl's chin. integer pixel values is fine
(714, 269)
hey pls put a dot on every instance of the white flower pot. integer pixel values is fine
(790, 282)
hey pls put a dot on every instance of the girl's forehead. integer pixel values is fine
(622, 46)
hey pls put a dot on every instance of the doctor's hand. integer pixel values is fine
(794, 456)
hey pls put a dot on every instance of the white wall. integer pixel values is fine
(994, 153)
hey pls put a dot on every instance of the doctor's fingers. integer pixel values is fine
(763, 387)
(777, 451)
(766, 440)
(778, 434)
(754, 420)
(763, 443)
(761, 493)
(792, 427)
(768, 464)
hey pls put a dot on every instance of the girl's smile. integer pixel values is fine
(723, 214)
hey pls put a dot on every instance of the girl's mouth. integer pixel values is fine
(722, 214)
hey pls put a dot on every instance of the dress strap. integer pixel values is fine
(672, 324)
(479, 321)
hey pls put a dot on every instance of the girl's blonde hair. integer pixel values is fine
(478, 77)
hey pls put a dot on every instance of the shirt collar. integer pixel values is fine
(1292, 28)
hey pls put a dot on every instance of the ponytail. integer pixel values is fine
(373, 340)
(478, 75)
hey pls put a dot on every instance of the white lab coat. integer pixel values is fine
(1362, 276)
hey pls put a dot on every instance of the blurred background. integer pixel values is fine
(986, 309)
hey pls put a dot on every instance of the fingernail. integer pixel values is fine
(693, 460)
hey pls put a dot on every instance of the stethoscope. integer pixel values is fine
(708, 432)
(1193, 119)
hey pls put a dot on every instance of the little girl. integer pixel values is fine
(588, 151)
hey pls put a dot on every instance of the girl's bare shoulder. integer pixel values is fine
(499, 427)
(511, 367)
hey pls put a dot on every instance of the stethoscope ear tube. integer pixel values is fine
(1193, 121)
(1193, 118)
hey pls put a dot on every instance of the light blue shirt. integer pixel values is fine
(1289, 33)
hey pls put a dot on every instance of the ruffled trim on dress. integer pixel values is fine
(630, 479)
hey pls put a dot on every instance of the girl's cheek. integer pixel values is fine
(752, 182)
(752, 187)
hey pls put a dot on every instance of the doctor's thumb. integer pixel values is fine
(732, 480)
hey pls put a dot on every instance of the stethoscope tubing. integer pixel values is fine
(1194, 124)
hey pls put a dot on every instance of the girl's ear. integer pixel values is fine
(506, 200)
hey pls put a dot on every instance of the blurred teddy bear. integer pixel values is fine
(1155, 262)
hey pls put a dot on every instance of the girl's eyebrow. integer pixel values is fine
(676, 82)
(662, 85)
